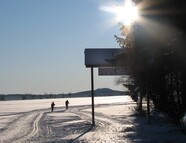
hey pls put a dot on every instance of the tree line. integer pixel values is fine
(154, 53)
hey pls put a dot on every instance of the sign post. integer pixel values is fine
(92, 94)
(99, 58)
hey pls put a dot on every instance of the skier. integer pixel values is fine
(66, 103)
(52, 106)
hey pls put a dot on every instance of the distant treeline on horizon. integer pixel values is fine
(98, 92)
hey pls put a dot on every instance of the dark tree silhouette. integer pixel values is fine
(155, 54)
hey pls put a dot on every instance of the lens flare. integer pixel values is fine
(126, 13)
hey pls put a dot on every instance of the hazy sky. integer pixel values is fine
(42, 44)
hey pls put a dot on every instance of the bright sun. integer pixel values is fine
(126, 13)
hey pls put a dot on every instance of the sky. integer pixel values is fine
(42, 45)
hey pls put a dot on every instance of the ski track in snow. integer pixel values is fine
(34, 131)
(19, 128)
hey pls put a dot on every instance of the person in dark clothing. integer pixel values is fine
(66, 103)
(52, 106)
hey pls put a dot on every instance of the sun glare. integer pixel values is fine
(126, 13)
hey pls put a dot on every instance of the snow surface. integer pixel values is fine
(115, 118)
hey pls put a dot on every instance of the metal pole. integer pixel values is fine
(148, 106)
(92, 94)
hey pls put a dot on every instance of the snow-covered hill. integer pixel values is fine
(97, 92)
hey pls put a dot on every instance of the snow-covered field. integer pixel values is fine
(116, 122)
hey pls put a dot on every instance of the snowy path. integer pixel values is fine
(34, 130)
(19, 127)
(74, 125)
(115, 123)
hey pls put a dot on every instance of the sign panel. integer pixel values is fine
(109, 71)
(101, 57)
